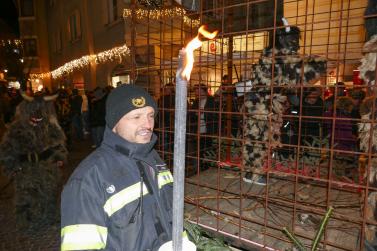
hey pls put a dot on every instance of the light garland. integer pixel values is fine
(40, 75)
(102, 57)
(157, 14)
(16, 42)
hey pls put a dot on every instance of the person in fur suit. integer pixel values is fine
(368, 135)
(31, 153)
(368, 61)
(365, 134)
(278, 66)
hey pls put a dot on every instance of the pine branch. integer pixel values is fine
(202, 240)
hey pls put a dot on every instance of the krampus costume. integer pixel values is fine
(262, 119)
(29, 153)
(368, 135)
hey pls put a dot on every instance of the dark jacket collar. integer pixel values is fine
(132, 150)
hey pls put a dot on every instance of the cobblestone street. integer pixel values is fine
(49, 237)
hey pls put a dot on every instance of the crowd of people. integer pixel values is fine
(9, 99)
(203, 118)
(80, 113)
(313, 117)
(317, 118)
(332, 116)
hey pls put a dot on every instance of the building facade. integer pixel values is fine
(57, 32)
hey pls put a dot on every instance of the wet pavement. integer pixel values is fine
(49, 237)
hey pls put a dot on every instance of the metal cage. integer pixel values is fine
(288, 126)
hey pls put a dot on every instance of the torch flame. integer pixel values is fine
(193, 45)
(207, 34)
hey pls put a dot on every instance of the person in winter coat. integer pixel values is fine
(63, 113)
(97, 116)
(166, 122)
(120, 196)
(85, 112)
(4, 108)
(311, 128)
(75, 102)
(202, 111)
(342, 129)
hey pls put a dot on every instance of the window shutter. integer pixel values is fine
(78, 24)
(69, 29)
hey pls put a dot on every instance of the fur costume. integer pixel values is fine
(365, 144)
(264, 107)
(368, 135)
(29, 153)
(368, 62)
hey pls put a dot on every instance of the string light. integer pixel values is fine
(40, 75)
(102, 57)
(157, 14)
(16, 42)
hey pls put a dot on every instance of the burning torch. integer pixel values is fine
(185, 65)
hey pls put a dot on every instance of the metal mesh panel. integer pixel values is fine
(287, 128)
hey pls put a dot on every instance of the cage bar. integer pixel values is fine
(285, 131)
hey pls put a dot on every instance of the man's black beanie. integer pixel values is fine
(124, 99)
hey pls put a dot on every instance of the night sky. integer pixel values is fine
(8, 13)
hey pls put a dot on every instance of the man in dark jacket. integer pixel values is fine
(166, 117)
(76, 102)
(120, 196)
(97, 116)
(166, 122)
(204, 120)
(311, 128)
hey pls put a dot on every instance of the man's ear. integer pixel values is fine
(114, 129)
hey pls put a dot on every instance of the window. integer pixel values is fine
(74, 26)
(211, 5)
(112, 11)
(192, 5)
(30, 47)
(260, 14)
(27, 8)
(58, 41)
